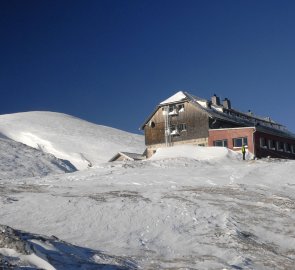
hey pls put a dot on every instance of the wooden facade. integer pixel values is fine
(195, 120)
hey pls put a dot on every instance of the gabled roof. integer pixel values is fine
(127, 155)
(179, 96)
(221, 113)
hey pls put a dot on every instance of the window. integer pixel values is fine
(238, 142)
(272, 144)
(152, 124)
(263, 143)
(174, 130)
(180, 107)
(280, 146)
(288, 147)
(181, 127)
(222, 143)
(171, 108)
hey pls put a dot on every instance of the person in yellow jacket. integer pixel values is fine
(243, 151)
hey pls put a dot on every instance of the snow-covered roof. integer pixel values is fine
(127, 155)
(179, 96)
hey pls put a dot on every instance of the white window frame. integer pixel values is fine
(222, 142)
(243, 142)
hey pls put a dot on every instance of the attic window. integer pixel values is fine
(173, 110)
(180, 108)
(152, 124)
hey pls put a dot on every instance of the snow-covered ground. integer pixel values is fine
(66, 137)
(18, 160)
(185, 208)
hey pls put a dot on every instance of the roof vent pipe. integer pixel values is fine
(226, 103)
(215, 100)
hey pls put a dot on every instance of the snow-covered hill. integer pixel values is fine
(18, 160)
(197, 208)
(82, 143)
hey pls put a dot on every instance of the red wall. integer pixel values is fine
(253, 141)
(229, 134)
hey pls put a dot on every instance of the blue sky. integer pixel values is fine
(111, 62)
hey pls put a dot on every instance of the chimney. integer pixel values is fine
(226, 103)
(215, 100)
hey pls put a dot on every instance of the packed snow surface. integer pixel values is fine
(69, 138)
(196, 208)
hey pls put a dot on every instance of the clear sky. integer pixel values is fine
(111, 62)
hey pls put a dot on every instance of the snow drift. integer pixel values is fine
(18, 160)
(69, 138)
(197, 152)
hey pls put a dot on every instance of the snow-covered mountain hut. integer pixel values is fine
(187, 119)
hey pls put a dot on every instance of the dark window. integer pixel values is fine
(288, 147)
(272, 144)
(180, 107)
(281, 146)
(222, 143)
(174, 131)
(181, 127)
(238, 142)
(263, 143)
(171, 108)
(153, 124)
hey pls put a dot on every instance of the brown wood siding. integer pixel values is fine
(196, 120)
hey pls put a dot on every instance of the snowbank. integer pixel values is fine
(82, 143)
(18, 160)
(196, 152)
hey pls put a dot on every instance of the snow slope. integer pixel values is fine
(202, 210)
(31, 251)
(82, 143)
(18, 160)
